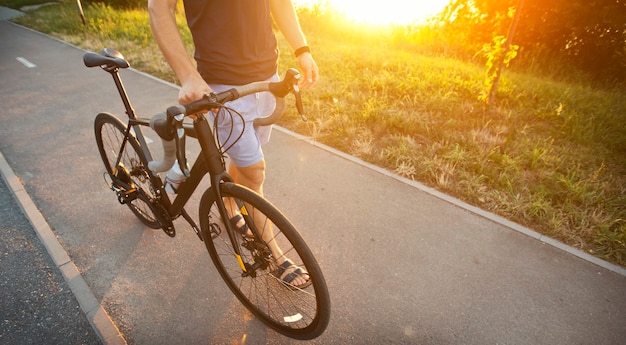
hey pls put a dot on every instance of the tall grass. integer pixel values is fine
(549, 155)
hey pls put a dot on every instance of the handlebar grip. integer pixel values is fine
(275, 116)
(161, 126)
(176, 110)
(169, 157)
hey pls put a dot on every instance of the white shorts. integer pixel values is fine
(247, 150)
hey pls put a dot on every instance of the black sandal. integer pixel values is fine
(244, 230)
(287, 272)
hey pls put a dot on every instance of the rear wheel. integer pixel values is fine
(131, 173)
(300, 313)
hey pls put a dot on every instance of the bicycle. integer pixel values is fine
(248, 262)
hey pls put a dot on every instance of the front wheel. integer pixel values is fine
(255, 277)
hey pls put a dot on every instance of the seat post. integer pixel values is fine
(122, 91)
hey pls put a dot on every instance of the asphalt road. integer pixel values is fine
(37, 306)
(404, 264)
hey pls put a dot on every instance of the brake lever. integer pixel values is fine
(293, 75)
(180, 144)
(296, 93)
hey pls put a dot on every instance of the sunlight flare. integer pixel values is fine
(401, 12)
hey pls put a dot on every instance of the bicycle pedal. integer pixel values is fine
(126, 196)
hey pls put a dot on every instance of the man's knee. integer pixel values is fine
(251, 176)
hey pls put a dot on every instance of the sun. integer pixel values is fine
(400, 12)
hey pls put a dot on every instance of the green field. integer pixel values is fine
(550, 154)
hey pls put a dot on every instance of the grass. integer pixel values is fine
(549, 155)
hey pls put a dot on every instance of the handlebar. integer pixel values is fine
(169, 126)
(280, 89)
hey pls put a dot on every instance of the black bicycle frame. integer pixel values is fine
(209, 161)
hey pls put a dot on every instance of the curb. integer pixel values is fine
(97, 316)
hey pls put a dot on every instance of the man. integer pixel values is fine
(235, 45)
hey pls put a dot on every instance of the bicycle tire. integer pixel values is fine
(109, 132)
(297, 313)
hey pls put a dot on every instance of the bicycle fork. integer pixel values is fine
(218, 174)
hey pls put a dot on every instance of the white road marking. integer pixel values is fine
(25, 62)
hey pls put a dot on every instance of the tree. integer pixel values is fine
(585, 34)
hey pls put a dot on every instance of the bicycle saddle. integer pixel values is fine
(109, 58)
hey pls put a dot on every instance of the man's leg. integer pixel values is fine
(253, 178)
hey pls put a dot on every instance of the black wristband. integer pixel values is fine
(302, 50)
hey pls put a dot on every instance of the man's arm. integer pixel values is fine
(163, 25)
(287, 21)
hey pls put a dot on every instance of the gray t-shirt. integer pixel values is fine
(234, 40)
